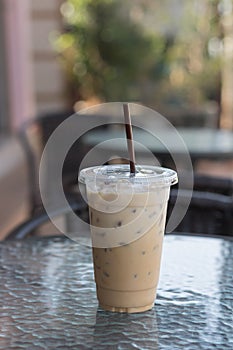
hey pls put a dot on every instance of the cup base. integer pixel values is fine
(129, 310)
(126, 301)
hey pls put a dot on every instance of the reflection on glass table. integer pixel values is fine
(48, 298)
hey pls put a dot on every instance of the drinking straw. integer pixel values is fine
(129, 136)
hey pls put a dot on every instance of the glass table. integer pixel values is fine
(48, 301)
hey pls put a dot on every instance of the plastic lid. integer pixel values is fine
(144, 173)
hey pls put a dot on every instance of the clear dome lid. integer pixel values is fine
(114, 173)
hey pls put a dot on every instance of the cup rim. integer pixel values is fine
(114, 173)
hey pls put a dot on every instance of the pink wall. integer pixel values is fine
(18, 58)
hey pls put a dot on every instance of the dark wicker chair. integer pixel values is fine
(212, 184)
(30, 226)
(208, 213)
(33, 136)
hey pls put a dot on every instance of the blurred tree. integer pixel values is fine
(193, 74)
(200, 61)
(176, 54)
(105, 53)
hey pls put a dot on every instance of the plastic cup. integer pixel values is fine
(127, 220)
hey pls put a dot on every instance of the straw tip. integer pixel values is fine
(125, 106)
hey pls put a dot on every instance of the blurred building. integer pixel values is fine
(31, 82)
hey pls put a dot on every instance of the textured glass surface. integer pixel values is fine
(48, 301)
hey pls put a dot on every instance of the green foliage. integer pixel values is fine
(193, 73)
(105, 53)
(111, 56)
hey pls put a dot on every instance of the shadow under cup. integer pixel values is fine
(127, 217)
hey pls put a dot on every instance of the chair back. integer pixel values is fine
(33, 136)
(34, 224)
(208, 213)
(208, 183)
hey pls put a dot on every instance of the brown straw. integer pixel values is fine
(129, 136)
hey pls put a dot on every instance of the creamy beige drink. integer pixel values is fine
(127, 217)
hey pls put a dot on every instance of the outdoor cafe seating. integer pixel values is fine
(47, 280)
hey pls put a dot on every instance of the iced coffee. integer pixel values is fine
(127, 217)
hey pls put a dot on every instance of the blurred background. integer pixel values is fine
(173, 56)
